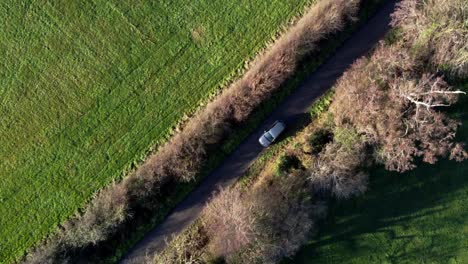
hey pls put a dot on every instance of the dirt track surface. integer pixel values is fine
(289, 111)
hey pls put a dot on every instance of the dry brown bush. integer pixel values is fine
(337, 169)
(180, 159)
(458, 153)
(185, 248)
(48, 254)
(437, 31)
(229, 221)
(100, 219)
(393, 98)
(284, 219)
(397, 106)
(269, 222)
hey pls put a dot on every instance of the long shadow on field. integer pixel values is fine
(416, 217)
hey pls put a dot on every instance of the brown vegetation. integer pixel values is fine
(398, 104)
(338, 167)
(230, 220)
(185, 249)
(264, 225)
(436, 30)
(180, 159)
(105, 212)
(390, 103)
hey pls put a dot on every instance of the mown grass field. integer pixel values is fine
(416, 217)
(87, 87)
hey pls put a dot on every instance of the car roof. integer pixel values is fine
(277, 129)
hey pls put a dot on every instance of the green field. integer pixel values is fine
(416, 217)
(87, 87)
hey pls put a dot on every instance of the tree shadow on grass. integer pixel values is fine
(412, 217)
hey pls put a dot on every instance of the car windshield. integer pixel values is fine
(269, 137)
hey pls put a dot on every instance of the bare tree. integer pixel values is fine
(229, 221)
(397, 108)
(337, 168)
(437, 30)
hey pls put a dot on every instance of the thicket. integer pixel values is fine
(186, 249)
(182, 157)
(387, 109)
(262, 225)
(277, 223)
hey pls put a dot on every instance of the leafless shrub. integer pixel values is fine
(437, 29)
(458, 153)
(229, 221)
(185, 248)
(338, 167)
(47, 254)
(103, 215)
(269, 222)
(397, 108)
(283, 220)
(264, 225)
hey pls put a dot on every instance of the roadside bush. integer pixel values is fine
(229, 219)
(283, 220)
(50, 253)
(101, 218)
(264, 225)
(338, 168)
(397, 108)
(391, 101)
(185, 248)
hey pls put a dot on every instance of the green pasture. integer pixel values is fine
(87, 87)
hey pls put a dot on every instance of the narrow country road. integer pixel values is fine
(289, 111)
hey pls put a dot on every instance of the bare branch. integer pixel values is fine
(438, 92)
(427, 105)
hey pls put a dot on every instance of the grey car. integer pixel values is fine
(272, 134)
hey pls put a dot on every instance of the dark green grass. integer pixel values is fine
(416, 217)
(86, 87)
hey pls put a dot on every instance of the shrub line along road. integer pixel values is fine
(289, 111)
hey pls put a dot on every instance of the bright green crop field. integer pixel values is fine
(87, 87)
(416, 217)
